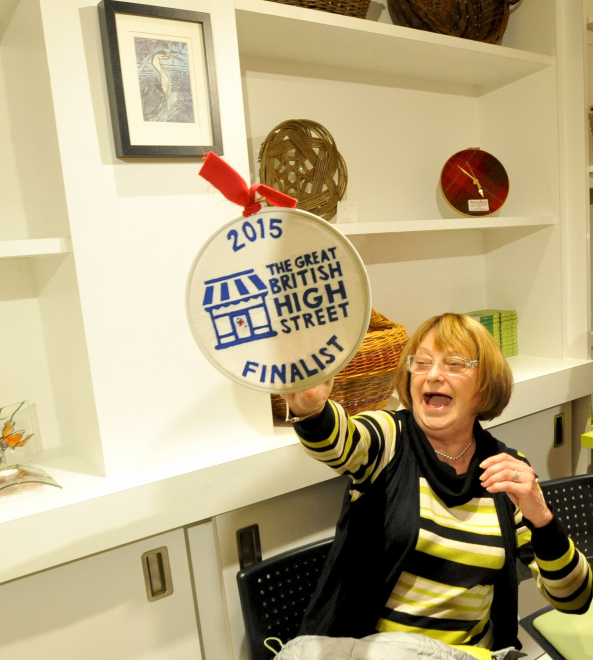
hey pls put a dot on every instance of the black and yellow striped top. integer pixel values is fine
(446, 588)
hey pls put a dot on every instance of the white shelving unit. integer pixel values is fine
(136, 425)
(399, 102)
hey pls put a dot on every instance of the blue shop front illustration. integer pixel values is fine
(237, 306)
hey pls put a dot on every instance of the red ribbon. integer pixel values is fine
(230, 183)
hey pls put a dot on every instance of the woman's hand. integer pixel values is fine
(506, 474)
(309, 403)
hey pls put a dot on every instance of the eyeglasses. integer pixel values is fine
(422, 364)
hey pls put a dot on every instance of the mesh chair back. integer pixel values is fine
(572, 499)
(276, 592)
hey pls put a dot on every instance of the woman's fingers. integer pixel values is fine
(503, 468)
(506, 474)
(311, 400)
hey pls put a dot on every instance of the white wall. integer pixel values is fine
(394, 139)
(136, 227)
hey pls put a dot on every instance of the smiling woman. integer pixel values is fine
(444, 403)
(437, 510)
(459, 335)
(455, 373)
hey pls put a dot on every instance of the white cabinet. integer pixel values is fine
(534, 437)
(284, 522)
(97, 608)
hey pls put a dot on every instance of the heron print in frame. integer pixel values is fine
(161, 80)
(165, 83)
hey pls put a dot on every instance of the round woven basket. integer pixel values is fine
(480, 20)
(357, 8)
(300, 158)
(368, 381)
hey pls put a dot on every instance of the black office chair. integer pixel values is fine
(275, 593)
(572, 499)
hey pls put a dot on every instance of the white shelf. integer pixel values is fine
(275, 31)
(95, 513)
(34, 247)
(411, 226)
(542, 383)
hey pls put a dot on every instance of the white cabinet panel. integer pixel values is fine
(534, 436)
(214, 630)
(285, 522)
(97, 608)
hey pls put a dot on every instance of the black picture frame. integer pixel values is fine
(154, 104)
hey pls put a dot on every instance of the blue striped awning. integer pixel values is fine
(232, 288)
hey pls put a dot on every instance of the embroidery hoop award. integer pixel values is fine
(278, 300)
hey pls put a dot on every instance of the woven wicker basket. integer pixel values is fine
(300, 158)
(480, 20)
(357, 8)
(368, 381)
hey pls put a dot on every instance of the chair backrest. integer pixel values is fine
(572, 499)
(276, 592)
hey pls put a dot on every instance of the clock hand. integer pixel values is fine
(468, 174)
(475, 179)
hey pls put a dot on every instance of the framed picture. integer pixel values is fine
(161, 80)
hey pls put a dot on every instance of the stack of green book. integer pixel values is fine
(502, 325)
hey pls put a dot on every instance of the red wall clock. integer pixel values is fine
(474, 182)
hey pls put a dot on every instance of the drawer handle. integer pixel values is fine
(157, 573)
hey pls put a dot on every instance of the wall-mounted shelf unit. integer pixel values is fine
(136, 424)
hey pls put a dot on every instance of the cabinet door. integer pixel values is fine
(285, 522)
(534, 436)
(97, 608)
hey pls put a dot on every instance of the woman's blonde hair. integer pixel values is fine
(469, 338)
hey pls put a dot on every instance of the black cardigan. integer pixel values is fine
(376, 532)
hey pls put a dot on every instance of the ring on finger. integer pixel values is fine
(516, 477)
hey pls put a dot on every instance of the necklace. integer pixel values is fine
(454, 458)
